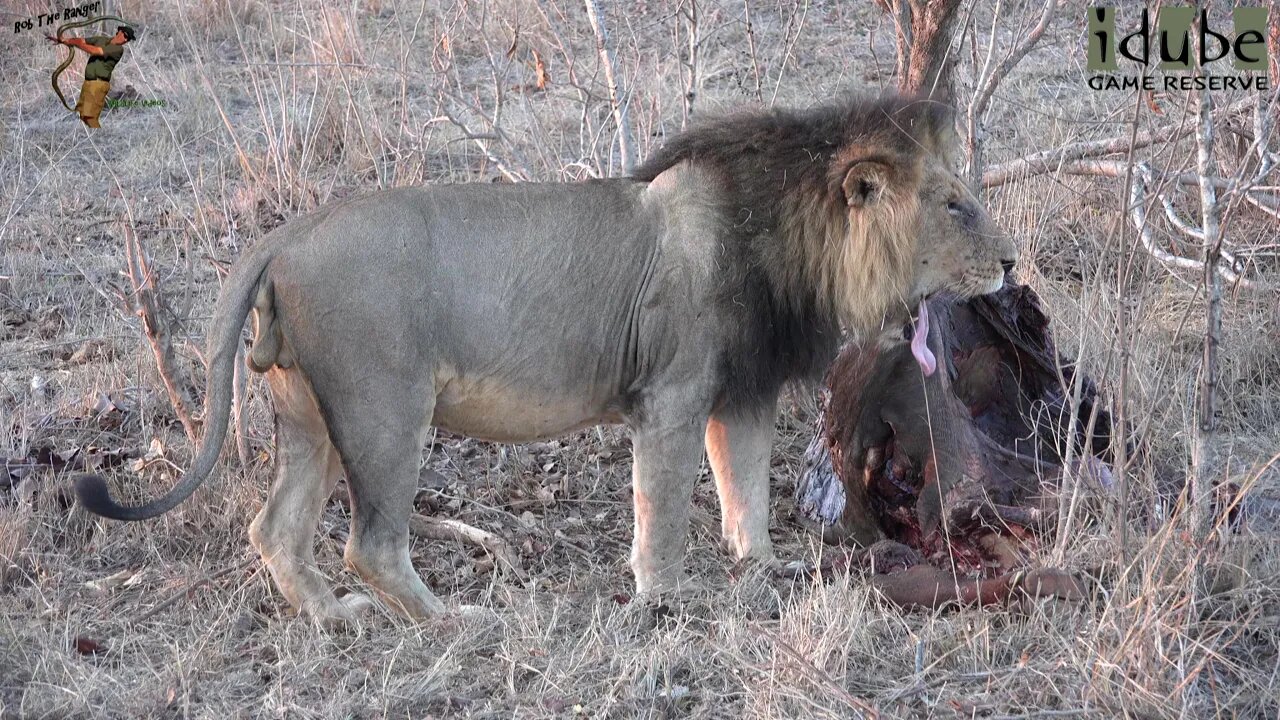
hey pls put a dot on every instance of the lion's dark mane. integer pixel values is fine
(763, 159)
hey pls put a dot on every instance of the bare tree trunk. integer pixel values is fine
(924, 44)
(901, 12)
(1200, 495)
(617, 97)
(924, 29)
(695, 41)
(928, 71)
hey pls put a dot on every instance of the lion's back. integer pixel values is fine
(489, 277)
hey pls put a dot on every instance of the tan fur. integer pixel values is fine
(677, 302)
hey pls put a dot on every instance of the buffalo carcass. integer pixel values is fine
(957, 468)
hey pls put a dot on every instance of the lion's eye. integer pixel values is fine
(956, 208)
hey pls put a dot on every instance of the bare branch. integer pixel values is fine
(1202, 481)
(1143, 177)
(1176, 220)
(1047, 161)
(518, 172)
(1269, 208)
(1052, 160)
(148, 304)
(695, 41)
(1117, 169)
(990, 78)
(751, 47)
(989, 82)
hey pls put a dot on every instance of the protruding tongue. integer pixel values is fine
(920, 341)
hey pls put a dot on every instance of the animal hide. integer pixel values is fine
(961, 467)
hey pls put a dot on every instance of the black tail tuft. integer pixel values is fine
(91, 491)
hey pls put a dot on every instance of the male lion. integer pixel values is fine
(677, 301)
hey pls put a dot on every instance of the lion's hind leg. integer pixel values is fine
(307, 468)
(380, 433)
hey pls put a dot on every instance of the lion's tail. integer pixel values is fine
(234, 302)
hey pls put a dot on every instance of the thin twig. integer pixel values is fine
(515, 172)
(189, 587)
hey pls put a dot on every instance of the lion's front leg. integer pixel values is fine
(738, 447)
(663, 472)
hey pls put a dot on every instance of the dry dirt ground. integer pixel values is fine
(271, 108)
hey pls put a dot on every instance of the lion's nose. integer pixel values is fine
(1008, 265)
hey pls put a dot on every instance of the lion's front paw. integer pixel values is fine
(474, 612)
(667, 583)
(355, 604)
(664, 598)
(337, 613)
(762, 565)
(742, 547)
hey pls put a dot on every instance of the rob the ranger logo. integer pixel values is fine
(1171, 48)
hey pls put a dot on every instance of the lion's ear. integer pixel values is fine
(865, 183)
(942, 123)
(941, 137)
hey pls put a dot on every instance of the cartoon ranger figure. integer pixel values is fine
(104, 52)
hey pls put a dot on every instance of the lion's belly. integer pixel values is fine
(498, 412)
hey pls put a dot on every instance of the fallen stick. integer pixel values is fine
(433, 528)
(192, 587)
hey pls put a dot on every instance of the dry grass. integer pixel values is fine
(260, 124)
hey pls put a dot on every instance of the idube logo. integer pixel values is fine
(1229, 60)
